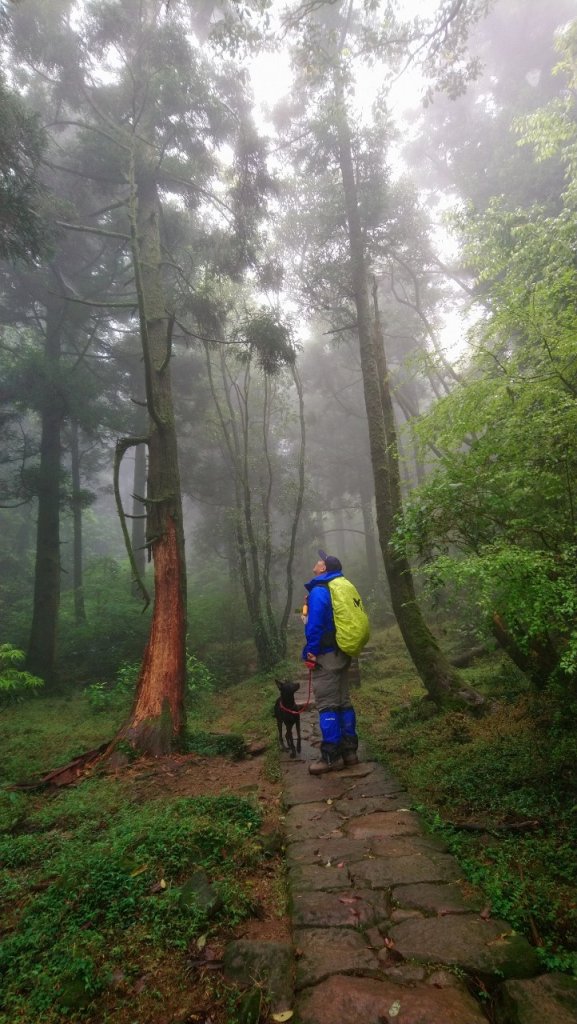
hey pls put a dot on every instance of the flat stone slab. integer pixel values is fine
(382, 824)
(322, 952)
(334, 849)
(406, 846)
(433, 898)
(302, 789)
(345, 1000)
(548, 999)
(487, 948)
(384, 872)
(378, 784)
(318, 878)
(362, 908)
(352, 806)
(311, 821)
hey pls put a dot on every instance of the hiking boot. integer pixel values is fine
(350, 759)
(322, 767)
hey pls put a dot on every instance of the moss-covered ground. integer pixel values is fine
(501, 788)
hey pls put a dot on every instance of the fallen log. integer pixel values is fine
(67, 773)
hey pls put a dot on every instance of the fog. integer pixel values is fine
(187, 270)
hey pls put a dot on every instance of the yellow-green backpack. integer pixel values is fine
(351, 622)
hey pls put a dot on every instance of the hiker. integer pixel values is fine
(331, 612)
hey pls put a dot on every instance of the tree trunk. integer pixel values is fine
(439, 678)
(138, 536)
(157, 720)
(41, 653)
(371, 553)
(538, 663)
(296, 517)
(77, 570)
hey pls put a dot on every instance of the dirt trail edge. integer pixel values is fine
(383, 928)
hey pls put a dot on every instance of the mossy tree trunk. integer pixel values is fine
(440, 679)
(157, 720)
(77, 553)
(41, 651)
(138, 511)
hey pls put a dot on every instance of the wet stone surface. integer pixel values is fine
(307, 878)
(548, 999)
(354, 806)
(380, 920)
(433, 899)
(320, 851)
(344, 1000)
(339, 910)
(346, 952)
(384, 872)
(487, 948)
(382, 824)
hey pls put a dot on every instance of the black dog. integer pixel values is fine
(290, 717)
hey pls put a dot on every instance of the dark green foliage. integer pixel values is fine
(23, 232)
(517, 771)
(266, 335)
(502, 789)
(159, 875)
(115, 631)
(116, 695)
(216, 743)
(15, 683)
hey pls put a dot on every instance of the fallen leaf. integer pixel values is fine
(348, 899)
(389, 944)
(138, 871)
(394, 1008)
(341, 865)
(284, 1015)
(485, 913)
(201, 942)
(329, 802)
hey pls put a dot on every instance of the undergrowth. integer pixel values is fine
(98, 881)
(511, 775)
(159, 875)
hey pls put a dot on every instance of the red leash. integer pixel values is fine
(299, 711)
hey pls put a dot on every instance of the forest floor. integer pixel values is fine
(68, 854)
(103, 881)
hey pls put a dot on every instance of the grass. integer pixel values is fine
(512, 768)
(104, 882)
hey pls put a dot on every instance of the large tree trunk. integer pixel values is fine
(77, 568)
(439, 678)
(139, 512)
(157, 719)
(371, 552)
(296, 516)
(41, 653)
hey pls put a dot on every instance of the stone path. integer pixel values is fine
(383, 928)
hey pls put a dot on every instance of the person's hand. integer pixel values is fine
(311, 660)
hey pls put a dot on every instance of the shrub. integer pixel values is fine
(15, 683)
(115, 696)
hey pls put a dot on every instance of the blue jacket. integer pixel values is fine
(320, 625)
